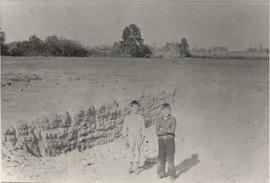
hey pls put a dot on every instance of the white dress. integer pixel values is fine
(134, 130)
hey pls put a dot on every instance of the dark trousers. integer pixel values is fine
(166, 151)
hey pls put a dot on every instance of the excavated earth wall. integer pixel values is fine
(61, 133)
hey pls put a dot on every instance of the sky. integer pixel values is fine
(236, 24)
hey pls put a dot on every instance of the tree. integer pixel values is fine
(184, 48)
(53, 46)
(132, 43)
(119, 49)
(36, 45)
(132, 40)
(15, 49)
(64, 47)
(132, 33)
(2, 37)
(3, 46)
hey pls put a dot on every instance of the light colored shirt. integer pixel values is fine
(134, 126)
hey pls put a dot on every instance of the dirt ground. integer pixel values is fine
(221, 109)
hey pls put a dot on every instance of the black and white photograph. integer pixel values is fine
(134, 91)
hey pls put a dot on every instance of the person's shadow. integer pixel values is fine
(181, 168)
(187, 164)
(149, 163)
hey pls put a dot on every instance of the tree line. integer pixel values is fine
(131, 45)
(51, 46)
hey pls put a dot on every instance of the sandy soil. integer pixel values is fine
(221, 109)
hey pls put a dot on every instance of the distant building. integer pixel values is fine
(220, 49)
(198, 50)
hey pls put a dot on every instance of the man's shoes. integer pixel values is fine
(137, 171)
(130, 168)
(172, 179)
(130, 171)
(161, 176)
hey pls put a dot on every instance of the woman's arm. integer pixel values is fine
(125, 128)
(159, 130)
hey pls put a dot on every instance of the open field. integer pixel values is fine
(221, 108)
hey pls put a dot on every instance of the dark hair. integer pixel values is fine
(165, 105)
(134, 102)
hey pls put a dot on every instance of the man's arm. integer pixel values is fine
(157, 127)
(172, 127)
(143, 131)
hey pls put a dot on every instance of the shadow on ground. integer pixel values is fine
(149, 163)
(187, 164)
(181, 168)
